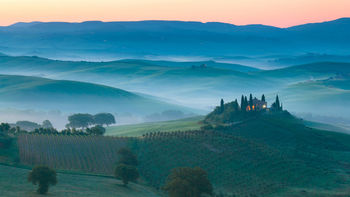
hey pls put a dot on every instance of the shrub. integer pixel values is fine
(126, 173)
(44, 176)
(190, 182)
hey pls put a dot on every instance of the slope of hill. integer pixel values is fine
(141, 76)
(71, 96)
(194, 64)
(308, 59)
(166, 126)
(325, 97)
(267, 155)
(96, 39)
(325, 126)
(305, 72)
(13, 183)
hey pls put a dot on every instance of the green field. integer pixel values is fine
(166, 126)
(13, 183)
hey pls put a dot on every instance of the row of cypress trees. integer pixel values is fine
(276, 106)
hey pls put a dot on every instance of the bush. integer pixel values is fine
(190, 182)
(126, 173)
(44, 176)
(96, 130)
(127, 157)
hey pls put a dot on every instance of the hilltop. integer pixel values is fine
(36, 93)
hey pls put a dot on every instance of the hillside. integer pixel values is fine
(188, 64)
(309, 58)
(23, 92)
(266, 155)
(325, 97)
(141, 76)
(165, 126)
(306, 72)
(13, 183)
(111, 40)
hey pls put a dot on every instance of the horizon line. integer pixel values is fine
(79, 22)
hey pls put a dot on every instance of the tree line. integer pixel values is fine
(86, 120)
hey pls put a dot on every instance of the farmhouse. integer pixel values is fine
(257, 105)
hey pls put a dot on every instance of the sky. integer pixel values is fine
(281, 13)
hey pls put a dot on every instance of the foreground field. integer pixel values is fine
(261, 156)
(166, 126)
(13, 183)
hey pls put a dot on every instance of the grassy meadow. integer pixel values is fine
(13, 183)
(165, 126)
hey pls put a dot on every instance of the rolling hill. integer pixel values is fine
(136, 130)
(268, 155)
(214, 64)
(178, 82)
(24, 92)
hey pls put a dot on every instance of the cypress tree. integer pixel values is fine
(222, 105)
(245, 103)
(263, 98)
(278, 106)
(251, 100)
(242, 103)
(236, 105)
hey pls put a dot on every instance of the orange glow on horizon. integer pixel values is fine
(281, 13)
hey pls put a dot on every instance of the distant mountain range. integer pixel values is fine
(95, 40)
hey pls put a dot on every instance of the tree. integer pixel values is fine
(246, 101)
(189, 182)
(4, 128)
(5, 139)
(104, 119)
(222, 107)
(27, 125)
(46, 124)
(250, 100)
(243, 107)
(277, 106)
(80, 120)
(126, 173)
(127, 157)
(277, 103)
(44, 176)
(236, 105)
(96, 130)
(263, 98)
